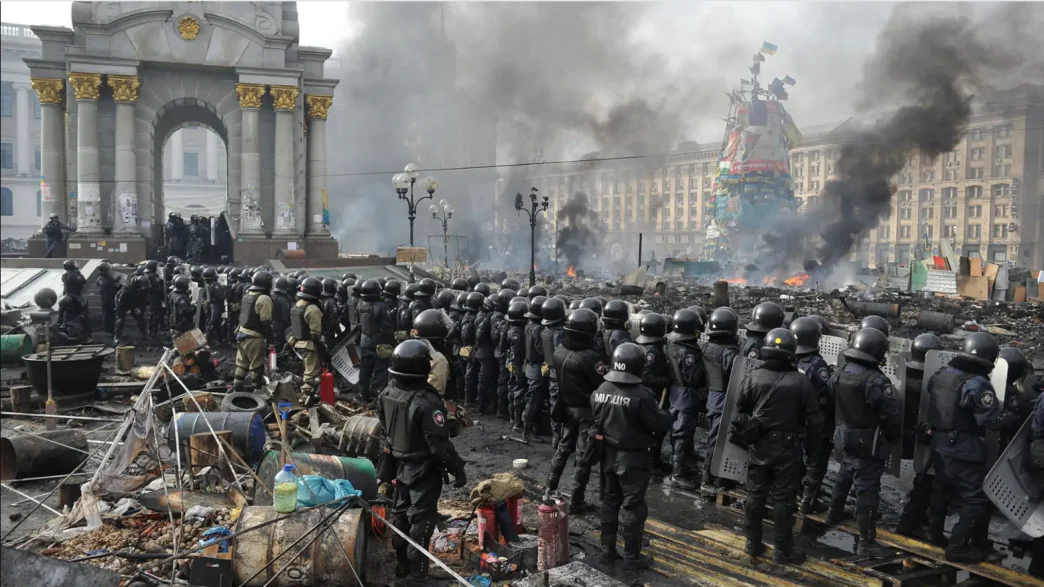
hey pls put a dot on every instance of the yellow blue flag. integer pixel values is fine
(768, 48)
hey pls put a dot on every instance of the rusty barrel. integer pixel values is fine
(874, 309)
(320, 563)
(359, 472)
(936, 321)
(29, 456)
(361, 437)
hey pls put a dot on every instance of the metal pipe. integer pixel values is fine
(61, 416)
(30, 498)
(936, 321)
(48, 453)
(872, 308)
(639, 249)
(50, 407)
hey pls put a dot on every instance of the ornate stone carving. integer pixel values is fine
(318, 105)
(188, 27)
(124, 87)
(50, 90)
(284, 97)
(250, 95)
(86, 86)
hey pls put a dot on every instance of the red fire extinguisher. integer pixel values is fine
(271, 357)
(326, 387)
(553, 534)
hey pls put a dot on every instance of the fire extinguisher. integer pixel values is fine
(326, 387)
(271, 357)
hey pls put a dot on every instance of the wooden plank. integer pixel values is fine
(973, 287)
(990, 273)
(975, 267)
(1020, 294)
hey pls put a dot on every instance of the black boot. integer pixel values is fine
(866, 519)
(578, 504)
(808, 500)
(708, 484)
(962, 549)
(633, 557)
(754, 548)
(793, 557)
(609, 553)
(681, 478)
(836, 513)
(421, 533)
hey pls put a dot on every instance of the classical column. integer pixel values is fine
(51, 93)
(125, 211)
(177, 156)
(88, 189)
(212, 165)
(23, 145)
(284, 99)
(250, 222)
(318, 107)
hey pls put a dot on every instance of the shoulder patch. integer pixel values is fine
(650, 357)
(516, 337)
(602, 368)
(690, 360)
(987, 398)
(888, 391)
(823, 373)
(439, 417)
(752, 354)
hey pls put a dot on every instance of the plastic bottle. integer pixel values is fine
(284, 490)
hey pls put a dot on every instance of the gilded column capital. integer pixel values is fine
(124, 87)
(318, 105)
(284, 97)
(50, 90)
(250, 95)
(86, 86)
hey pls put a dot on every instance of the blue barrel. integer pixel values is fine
(248, 431)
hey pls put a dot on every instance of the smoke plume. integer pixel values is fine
(576, 229)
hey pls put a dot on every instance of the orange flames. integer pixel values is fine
(798, 280)
(571, 272)
(736, 281)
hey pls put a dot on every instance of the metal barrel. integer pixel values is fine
(321, 563)
(13, 346)
(874, 309)
(361, 437)
(32, 456)
(247, 428)
(936, 321)
(721, 293)
(359, 472)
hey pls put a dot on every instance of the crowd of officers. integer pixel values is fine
(568, 369)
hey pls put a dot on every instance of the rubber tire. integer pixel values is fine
(228, 404)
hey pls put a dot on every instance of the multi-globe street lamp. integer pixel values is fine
(404, 182)
(447, 213)
(534, 209)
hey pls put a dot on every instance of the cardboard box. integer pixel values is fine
(411, 255)
(973, 287)
(190, 341)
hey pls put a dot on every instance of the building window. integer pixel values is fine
(974, 211)
(976, 154)
(974, 231)
(927, 159)
(1001, 170)
(1000, 230)
(950, 212)
(6, 156)
(975, 135)
(949, 193)
(799, 187)
(904, 196)
(707, 182)
(949, 230)
(813, 156)
(6, 202)
(799, 172)
(191, 164)
(1003, 132)
(973, 191)
(798, 158)
(950, 175)
(906, 178)
(1000, 210)
(975, 173)
(928, 213)
(814, 186)
(926, 195)
(1003, 151)
(39, 203)
(928, 231)
(904, 214)
(6, 100)
(904, 232)
(884, 232)
(927, 176)
(813, 171)
(37, 159)
(953, 157)
(1000, 190)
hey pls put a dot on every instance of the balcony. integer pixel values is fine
(16, 30)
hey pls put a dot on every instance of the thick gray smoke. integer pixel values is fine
(934, 62)
(577, 229)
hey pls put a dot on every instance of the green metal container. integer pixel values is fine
(13, 346)
(359, 472)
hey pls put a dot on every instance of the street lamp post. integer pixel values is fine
(534, 209)
(403, 183)
(447, 213)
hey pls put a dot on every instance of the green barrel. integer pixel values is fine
(13, 346)
(359, 472)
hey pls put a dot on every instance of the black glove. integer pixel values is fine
(460, 479)
(1037, 454)
(924, 433)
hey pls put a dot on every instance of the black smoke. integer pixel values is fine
(578, 234)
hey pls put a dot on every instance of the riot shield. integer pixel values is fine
(999, 381)
(898, 345)
(1015, 487)
(830, 347)
(730, 461)
(895, 369)
(933, 361)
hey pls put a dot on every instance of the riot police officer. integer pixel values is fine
(687, 392)
(157, 298)
(719, 354)
(915, 510)
(962, 404)
(780, 403)
(429, 327)
(875, 322)
(868, 419)
(656, 373)
(234, 299)
(1018, 400)
(281, 304)
(614, 319)
(579, 370)
(328, 305)
(350, 311)
(255, 328)
(72, 280)
(807, 331)
(377, 338)
(552, 314)
(536, 291)
(132, 298)
(536, 371)
(485, 354)
(422, 298)
(456, 314)
(168, 273)
(764, 317)
(469, 352)
(182, 311)
(499, 326)
(630, 420)
(70, 320)
(54, 233)
(214, 294)
(404, 318)
(391, 293)
(459, 284)
(516, 359)
(107, 288)
(414, 419)
(306, 332)
(509, 283)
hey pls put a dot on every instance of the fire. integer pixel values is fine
(571, 272)
(768, 280)
(736, 281)
(797, 280)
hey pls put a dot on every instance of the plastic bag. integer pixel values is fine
(314, 489)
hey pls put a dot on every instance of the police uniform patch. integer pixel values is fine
(987, 398)
(752, 354)
(690, 360)
(516, 337)
(439, 417)
(601, 368)
(649, 358)
(823, 374)
(888, 391)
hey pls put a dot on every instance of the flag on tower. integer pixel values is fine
(768, 48)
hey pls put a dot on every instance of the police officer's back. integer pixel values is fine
(914, 382)
(376, 338)
(719, 354)
(688, 391)
(807, 332)
(182, 311)
(281, 304)
(614, 319)
(70, 320)
(107, 288)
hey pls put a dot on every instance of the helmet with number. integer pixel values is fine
(616, 312)
(780, 343)
(151, 265)
(509, 283)
(329, 286)
(474, 301)
(209, 274)
(461, 301)
(348, 276)
(552, 312)
(722, 323)
(172, 260)
(702, 314)
(371, 290)
(685, 325)
(67, 303)
(765, 316)
(446, 298)
(104, 268)
(627, 364)
(875, 322)
(311, 289)
(536, 290)
(69, 265)
(652, 328)
(282, 285)
(1017, 364)
(524, 292)
(504, 298)
(392, 288)
(181, 283)
(981, 346)
(490, 303)
(593, 304)
(869, 345)
(807, 332)
(262, 281)
(410, 292)
(482, 288)
(516, 313)
(575, 304)
(582, 322)
(919, 348)
(426, 289)
(536, 308)
(429, 324)
(410, 360)
(459, 284)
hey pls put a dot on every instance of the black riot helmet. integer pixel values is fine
(981, 346)
(311, 289)
(209, 274)
(1017, 364)
(181, 283)
(429, 324)
(504, 298)
(195, 272)
(329, 286)
(765, 316)
(652, 328)
(410, 292)
(348, 276)
(875, 322)
(722, 323)
(410, 360)
(780, 343)
(615, 313)
(536, 290)
(474, 301)
(702, 314)
(524, 292)
(392, 289)
(685, 325)
(824, 324)
(536, 308)
(473, 280)
(294, 284)
(482, 288)
(460, 302)
(262, 281)
(490, 303)
(807, 332)
(172, 260)
(459, 284)
(282, 285)
(140, 269)
(104, 268)
(446, 298)
(348, 282)
(370, 290)
(553, 312)
(627, 364)
(869, 345)
(509, 283)
(919, 348)
(582, 322)
(179, 270)
(426, 289)
(151, 265)
(575, 304)
(516, 313)
(67, 303)
(69, 265)
(563, 297)
(381, 281)
(593, 304)
(233, 274)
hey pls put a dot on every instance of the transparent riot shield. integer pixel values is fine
(1015, 487)
(730, 461)
(898, 345)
